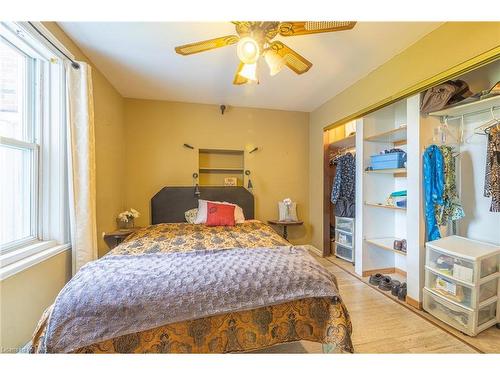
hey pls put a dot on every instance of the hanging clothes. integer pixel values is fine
(492, 177)
(344, 186)
(433, 188)
(451, 209)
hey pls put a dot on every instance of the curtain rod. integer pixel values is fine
(74, 64)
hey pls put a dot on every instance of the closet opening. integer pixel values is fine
(427, 199)
(339, 192)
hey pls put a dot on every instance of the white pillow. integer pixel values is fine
(201, 218)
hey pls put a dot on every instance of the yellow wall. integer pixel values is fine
(24, 296)
(157, 130)
(449, 45)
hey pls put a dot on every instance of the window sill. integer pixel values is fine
(26, 257)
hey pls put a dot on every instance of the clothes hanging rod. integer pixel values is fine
(74, 64)
(451, 118)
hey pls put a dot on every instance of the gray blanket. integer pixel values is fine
(117, 295)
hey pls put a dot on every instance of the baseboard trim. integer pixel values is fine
(314, 250)
(414, 303)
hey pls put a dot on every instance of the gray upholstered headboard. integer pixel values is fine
(170, 203)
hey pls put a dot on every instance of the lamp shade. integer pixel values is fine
(249, 71)
(248, 50)
(274, 61)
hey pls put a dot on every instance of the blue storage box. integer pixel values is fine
(388, 161)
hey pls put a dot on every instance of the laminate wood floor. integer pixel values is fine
(381, 325)
(487, 341)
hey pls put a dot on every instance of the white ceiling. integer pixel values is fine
(140, 62)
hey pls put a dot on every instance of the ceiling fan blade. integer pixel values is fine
(239, 80)
(189, 49)
(305, 28)
(292, 59)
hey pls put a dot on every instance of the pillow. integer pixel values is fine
(239, 217)
(220, 214)
(190, 215)
(201, 218)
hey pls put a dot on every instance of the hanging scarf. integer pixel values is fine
(451, 208)
(492, 177)
(433, 188)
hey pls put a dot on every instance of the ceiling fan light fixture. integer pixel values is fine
(274, 61)
(248, 50)
(249, 71)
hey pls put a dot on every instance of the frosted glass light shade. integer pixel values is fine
(249, 71)
(248, 50)
(274, 61)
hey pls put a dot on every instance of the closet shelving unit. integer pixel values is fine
(379, 224)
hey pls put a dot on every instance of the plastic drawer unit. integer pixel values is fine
(462, 282)
(344, 238)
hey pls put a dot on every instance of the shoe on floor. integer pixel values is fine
(396, 285)
(402, 292)
(385, 283)
(375, 279)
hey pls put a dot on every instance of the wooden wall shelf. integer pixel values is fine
(221, 170)
(215, 165)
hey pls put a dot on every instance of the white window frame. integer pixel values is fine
(50, 229)
(31, 144)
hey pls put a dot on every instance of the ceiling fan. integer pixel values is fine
(255, 39)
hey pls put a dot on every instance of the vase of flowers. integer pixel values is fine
(126, 219)
(287, 210)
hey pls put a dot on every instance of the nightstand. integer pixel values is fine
(284, 224)
(115, 238)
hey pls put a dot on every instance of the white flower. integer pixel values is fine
(287, 201)
(129, 215)
(123, 216)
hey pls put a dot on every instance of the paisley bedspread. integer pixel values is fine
(320, 319)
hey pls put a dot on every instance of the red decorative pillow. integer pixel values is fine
(220, 214)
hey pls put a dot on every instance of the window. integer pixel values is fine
(33, 193)
(18, 148)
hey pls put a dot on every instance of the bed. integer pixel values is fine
(197, 260)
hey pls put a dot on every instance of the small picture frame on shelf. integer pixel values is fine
(230, 181)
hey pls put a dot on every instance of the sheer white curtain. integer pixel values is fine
(81, 164)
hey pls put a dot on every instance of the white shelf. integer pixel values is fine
(344, 142)
(385, 243)
(381, 205)
(396, 136)
(397, 172)
(464, 109)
